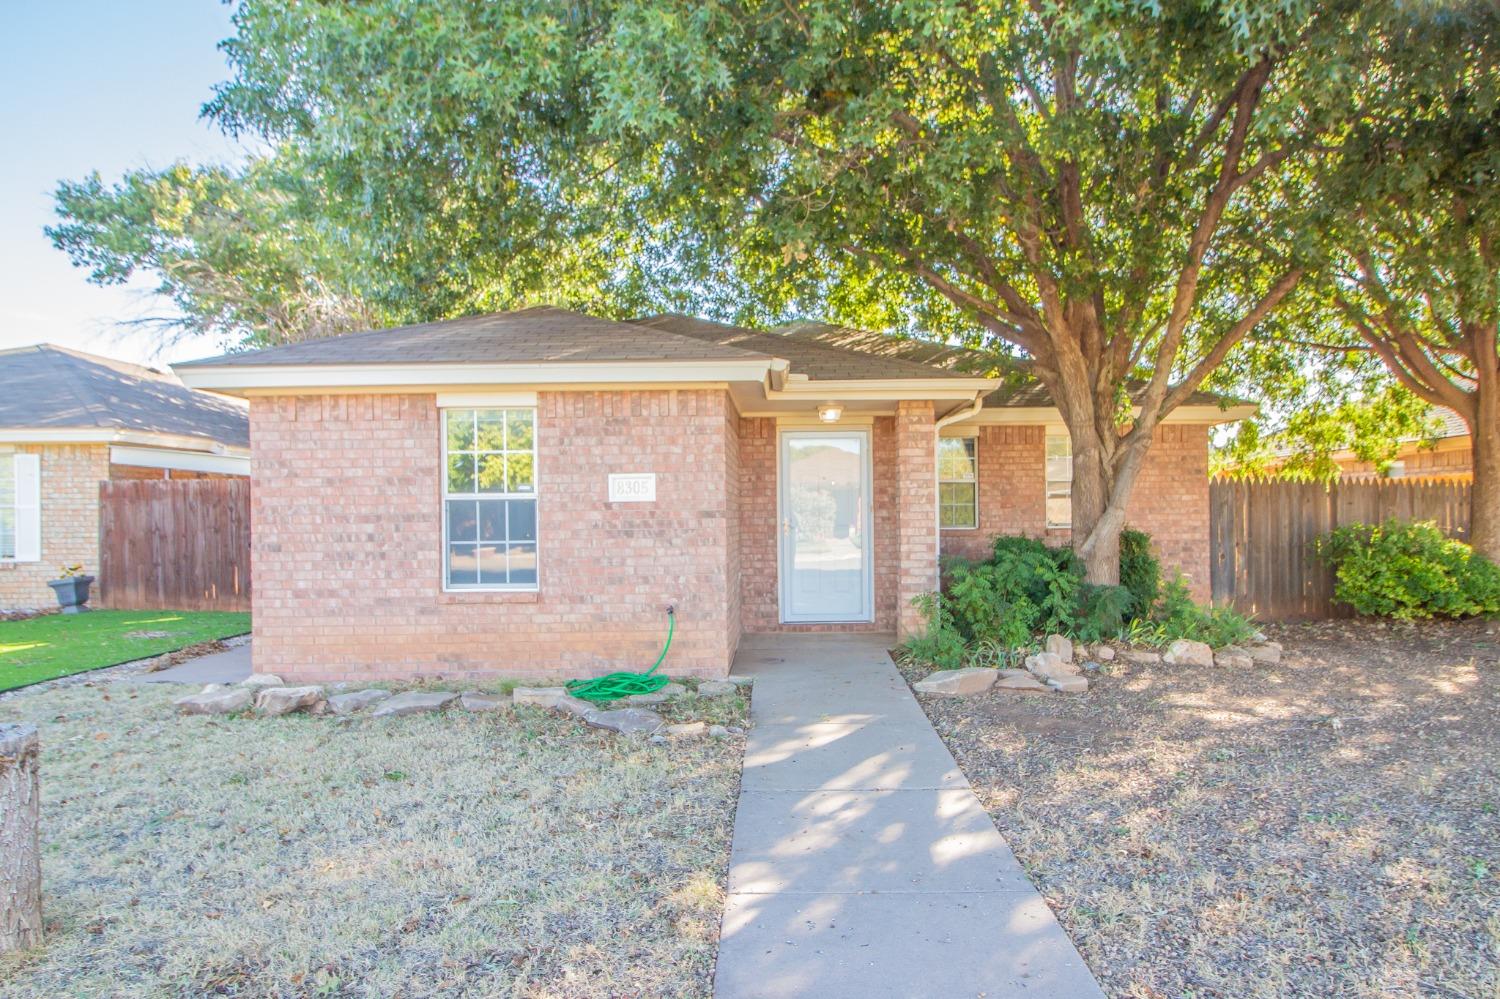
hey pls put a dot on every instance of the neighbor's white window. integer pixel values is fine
(20, 507)
(489, 499)
(1059, 480)
(958, 482)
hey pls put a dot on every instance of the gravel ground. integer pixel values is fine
(516, 853)
(1326, 827)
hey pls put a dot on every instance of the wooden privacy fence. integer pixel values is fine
(179, 544)
(1262, 532)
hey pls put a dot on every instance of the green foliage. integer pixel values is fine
(940, 644)
(1176, 615)
(1409, 570)
(1140, 572)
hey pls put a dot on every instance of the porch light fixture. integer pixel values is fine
(830, 412)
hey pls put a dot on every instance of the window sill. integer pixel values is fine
(489, 596)
(959, 530)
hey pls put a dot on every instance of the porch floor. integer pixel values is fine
(863, 864)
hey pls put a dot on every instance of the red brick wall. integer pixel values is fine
(759, 535)
(348, 533)
(916, 502)
(1170, 500)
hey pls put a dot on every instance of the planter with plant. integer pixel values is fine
(72, 589)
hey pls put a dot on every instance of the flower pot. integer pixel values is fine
(72, 593)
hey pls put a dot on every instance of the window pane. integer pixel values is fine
(461, 521)
(492, 564)
(463, 565)
(491, 430)
(523, 565)
(491, 473)
(460, 473)
(7, 507)
(1059, 511)
(460, 429)
(1059, 457)
(520, 434)
(521, 472)
(956, 458)
(522, 520)
(491, 520)
(956, 504)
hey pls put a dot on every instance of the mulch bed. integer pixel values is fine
(1329, 826)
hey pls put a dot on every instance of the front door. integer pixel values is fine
(825, 526)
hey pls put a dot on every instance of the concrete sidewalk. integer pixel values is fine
(230, 666)
(863, 864)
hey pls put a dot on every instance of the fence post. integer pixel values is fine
(20, 857)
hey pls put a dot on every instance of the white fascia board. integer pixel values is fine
(882, 389)
(106, 435)
(1036, 415)
(238, 379)
(185, 461)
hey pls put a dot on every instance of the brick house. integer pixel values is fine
(526, 492)
(70, 420)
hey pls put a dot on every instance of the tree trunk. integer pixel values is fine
(20, 858)
(1092, 488)
(1484, 499)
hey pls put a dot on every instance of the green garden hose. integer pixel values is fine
(614, 686)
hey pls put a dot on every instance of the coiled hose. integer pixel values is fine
(614, 686)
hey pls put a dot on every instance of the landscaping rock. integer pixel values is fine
(717, 688)
(573, 706)
(1185, 652)
(348, 704)
(718, 732)
(1018, 679)
(1266, 654)
(414, 702)
(1104, 653)
(273, 701)
(740, 681)
(661, 696)
(1046, 665)
(545, 697)
(957, 682)
(1060, 647)
(1233, 657)
(1141, 656)
(474, 701)
(1069, 684)
(258, 680)
(626, 721)
(215, 701)
(687, 730)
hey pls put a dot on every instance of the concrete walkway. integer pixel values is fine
(863, 864)
(230, 666)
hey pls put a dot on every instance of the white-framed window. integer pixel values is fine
(489, 499)
(20, 508)
(958, 482)
(1059, 480)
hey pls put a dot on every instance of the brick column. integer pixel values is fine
(916, 511)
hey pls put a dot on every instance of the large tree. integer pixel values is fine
(1112, 189)
(1413, 202)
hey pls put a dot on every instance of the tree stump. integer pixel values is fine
(20, 857)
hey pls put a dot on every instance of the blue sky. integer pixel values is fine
(104, 86)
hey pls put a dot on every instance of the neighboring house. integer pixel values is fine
(527, 492)
(70, 420)
(1447, 455)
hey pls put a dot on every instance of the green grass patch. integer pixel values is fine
(45, 648)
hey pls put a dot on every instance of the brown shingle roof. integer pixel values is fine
(540, 335)
(53, 388)
(808, 356)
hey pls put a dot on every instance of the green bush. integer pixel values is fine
(1140, 572)
(1409, 570)
(1176, 615)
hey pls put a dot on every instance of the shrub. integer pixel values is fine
(1409, 570)
(1176, 615)
(1140, 572)
(941, 644)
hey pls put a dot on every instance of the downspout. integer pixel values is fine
(958, 415)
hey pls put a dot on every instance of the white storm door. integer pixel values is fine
(826, 570)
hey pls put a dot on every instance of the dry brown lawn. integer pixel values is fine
(508, 854)
(1328, 827)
